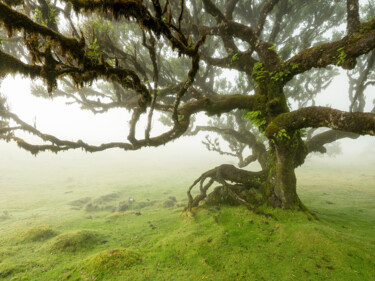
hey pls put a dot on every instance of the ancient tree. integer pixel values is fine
(169, 60)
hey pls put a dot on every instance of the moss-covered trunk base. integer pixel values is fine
(251, 189)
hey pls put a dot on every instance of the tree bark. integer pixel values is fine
(281, 182)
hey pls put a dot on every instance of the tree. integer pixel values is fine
(168, 58)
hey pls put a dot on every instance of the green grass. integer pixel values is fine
(51, 234)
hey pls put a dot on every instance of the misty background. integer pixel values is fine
(19, 168)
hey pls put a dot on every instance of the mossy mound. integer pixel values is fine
(116, 215)
(168, 203)
(122, 206)
(80, 202)
(4, 216)
(181, 204)
(116, 259)
(75, 241)
(91, 207)
(172, 198)
(7, 270)
(144, 204)
(37, 233)
(106, 198)
(6, 252)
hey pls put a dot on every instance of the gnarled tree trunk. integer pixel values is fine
(274, 186)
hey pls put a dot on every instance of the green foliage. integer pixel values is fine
(93, 52)
(52, 15)
(234, 58)
(294, 65)
(180, 117)
(101, 25)
(254, 117)
(111, 62)
(341, 56)
(38, 16)
(51, 19)
(258, 71)
(272, 48)
(282, 134)
(279, 76)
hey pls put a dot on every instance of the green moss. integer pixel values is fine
(271, 130)
(74, 241)
(39, 233)
(110, 260)
(7, 270)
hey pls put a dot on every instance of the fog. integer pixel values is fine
(184, 156)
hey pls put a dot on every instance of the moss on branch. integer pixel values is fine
(316, 116)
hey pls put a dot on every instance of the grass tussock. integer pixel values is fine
(5, 216)
(37, 234)
(116, 259)
(7, 270)
(75, 241)
(106, 198)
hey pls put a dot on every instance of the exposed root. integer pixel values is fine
(308, 211)
(225, 173)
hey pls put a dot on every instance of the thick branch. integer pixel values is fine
(266, 9)
(11, 65)
(15, 21)
(360, 85)
(242, 61)
(222, 105)
(316, 116)
(342, 52)
(229, 8)
(316, 144)
(353, 22)
(225, 104)
(228, 27)
(248, 139)
(135, 9)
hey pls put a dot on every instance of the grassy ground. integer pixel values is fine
(82, 230)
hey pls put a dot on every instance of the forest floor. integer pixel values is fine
(78, 231)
